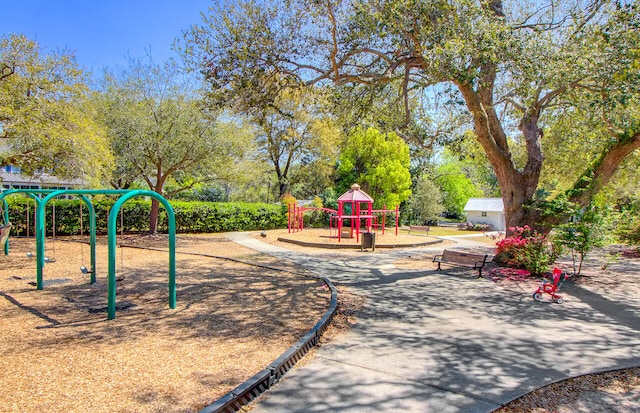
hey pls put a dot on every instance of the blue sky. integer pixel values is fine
(103, 32)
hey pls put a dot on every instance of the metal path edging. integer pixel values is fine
(263, 380)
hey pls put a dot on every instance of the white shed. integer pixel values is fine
(486, 211)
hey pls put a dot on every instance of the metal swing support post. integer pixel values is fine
(33, 193)
(40, 230)
(113, 215)
(92, 234)
(6, 220)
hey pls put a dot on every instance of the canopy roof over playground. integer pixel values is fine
(355, 194)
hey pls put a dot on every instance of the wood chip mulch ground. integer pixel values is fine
(615, 391)
(59, 353)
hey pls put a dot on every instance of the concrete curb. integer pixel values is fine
(357, 246)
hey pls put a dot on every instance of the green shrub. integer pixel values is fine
(628, 228)
(191, 217)
(585, 231)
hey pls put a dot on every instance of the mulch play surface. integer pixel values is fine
(58, 351)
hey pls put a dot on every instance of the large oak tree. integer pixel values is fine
(509, 64)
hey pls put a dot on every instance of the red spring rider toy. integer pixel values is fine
(551, 288)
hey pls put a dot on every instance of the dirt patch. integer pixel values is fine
(59, 353)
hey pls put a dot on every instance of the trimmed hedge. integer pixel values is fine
(191, 217)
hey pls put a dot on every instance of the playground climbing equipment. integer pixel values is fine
(355, 207)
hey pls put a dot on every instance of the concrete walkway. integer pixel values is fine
(428, 341)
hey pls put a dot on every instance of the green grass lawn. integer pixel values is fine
(446, 231)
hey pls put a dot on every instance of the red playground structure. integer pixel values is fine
(355, 207)
(551, 287)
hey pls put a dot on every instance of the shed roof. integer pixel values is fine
(484, 204)
(355, 194)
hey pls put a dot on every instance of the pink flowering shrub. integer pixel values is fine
(527, 249)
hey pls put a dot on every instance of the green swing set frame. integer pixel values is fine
(43, 196)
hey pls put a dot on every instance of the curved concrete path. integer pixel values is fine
(428, 341)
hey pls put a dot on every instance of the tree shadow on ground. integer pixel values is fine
(430, 341)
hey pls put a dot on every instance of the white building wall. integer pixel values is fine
(494, 218)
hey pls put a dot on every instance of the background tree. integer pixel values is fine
(456, 188)
(473, 163)
(247, 177)
(294, 133)
(425, 202)
(379, 163)
(509, 65)
(47, 123)
(158, 132)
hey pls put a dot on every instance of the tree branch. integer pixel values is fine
(334, 40)
(519, 107)
(187, 187)
(6, 71)
(596, 177)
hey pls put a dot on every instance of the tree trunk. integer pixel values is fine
(599, 174)
(284, 187)
(283, 184)
(155, 205)
(153, 216)
(517, 187)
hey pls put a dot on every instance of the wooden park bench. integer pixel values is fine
(419, 228)
(463, 259)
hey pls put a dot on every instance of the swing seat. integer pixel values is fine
(46, 259)
(4, 233)
(85, 270)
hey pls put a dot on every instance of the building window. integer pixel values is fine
(484, 213)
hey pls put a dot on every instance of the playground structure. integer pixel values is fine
(43, 196)
(355, 207)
